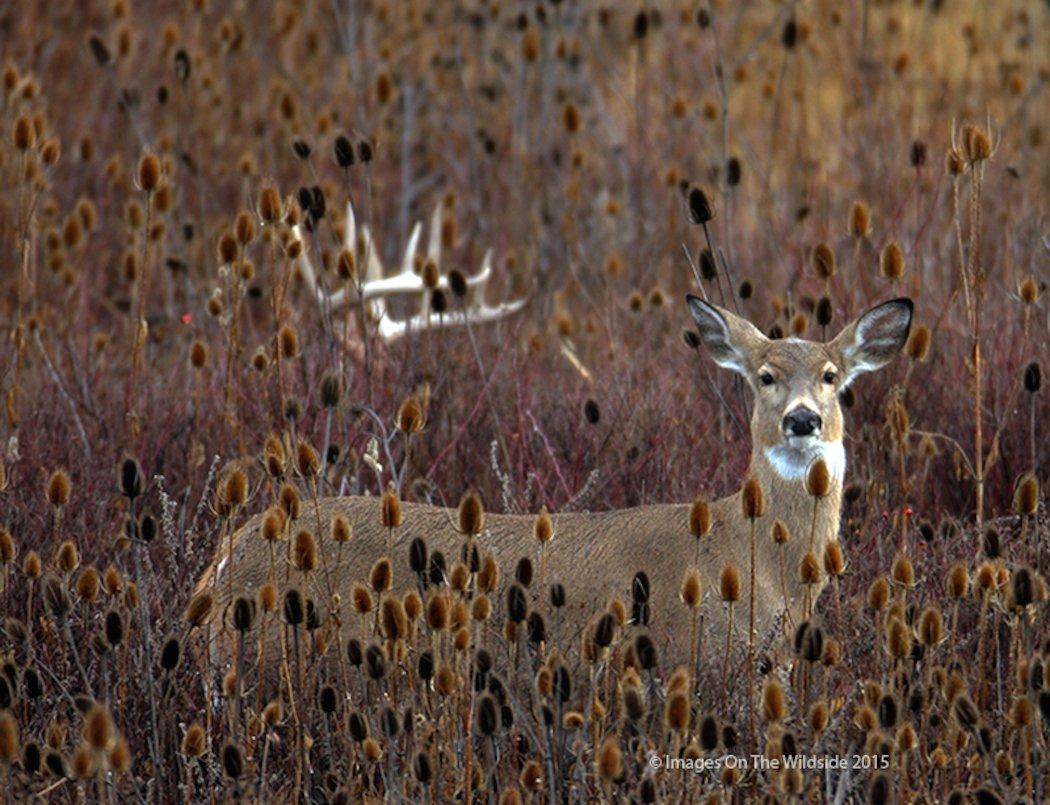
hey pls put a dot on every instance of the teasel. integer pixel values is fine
(699, 523)
(818, 717)
(1026, 502)
(729, 589)
(390, 515)
(198, 610)
(891, 262)
(754, 507)
(898, 639)
(58, 490)
(774, 707)
(859, 220)
(692, 596)
(304, 553)
(902, 575)
(9, 741)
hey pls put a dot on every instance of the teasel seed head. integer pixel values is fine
(823, 261)
(898, 638)
(774, 707)
(809, 569)
(114, 628)
(270, 206)
(958, 582)
(9, 739)
(1029, 290)
(67, 558)
(130, 478)
(692, 591)
(58, 489)
(8, 550)
(543, 527)
(1026, 495)
(729, 584)
(931, 627)
(232, 761)
(860, 220)
(834, 561)
(288, 342)
(903, 573)
(438, 610)
(193, 742)
(700, 210)
(609, 759)
(268, 597)
(32, 566)
(676, 713)
(752, 499)
(605, 630)
(381, 578)
(976, 144)
(24, 135)
(780, 533)
(393, 619)
(1023, 586)
(304, 552)
(83, 764)
(410, 418)
(918, 346)
(98, 727)
(294, 607)
(471, 514)
(290, 501)
(481, 608)
(198, 610)
(390, 510)
(818, 716)
(1033, 377)
(965, 712)
(891, 261)
(818, 479)
(699, 519)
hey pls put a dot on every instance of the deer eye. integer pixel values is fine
(766, 379)
(829, 376)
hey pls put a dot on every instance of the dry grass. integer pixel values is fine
(148, 174)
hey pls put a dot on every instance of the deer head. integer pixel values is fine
(374, 288)
(796, 383)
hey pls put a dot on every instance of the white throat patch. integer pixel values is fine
(791, 461)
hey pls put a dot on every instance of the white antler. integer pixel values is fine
(376, 287)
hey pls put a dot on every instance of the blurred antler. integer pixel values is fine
(408, 281)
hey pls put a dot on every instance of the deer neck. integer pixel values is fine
(782, 473)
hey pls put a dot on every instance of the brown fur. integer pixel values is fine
(595, 555)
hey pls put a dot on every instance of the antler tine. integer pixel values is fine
(475, 311)
(375, 287)
(434, 241)
(309, 275)
(391, 329)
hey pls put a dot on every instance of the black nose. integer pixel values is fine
(801, 422)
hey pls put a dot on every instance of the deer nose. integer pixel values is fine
(801, 422)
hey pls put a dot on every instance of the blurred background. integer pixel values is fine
(566, 137)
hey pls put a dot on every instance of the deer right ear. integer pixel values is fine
(729, 339)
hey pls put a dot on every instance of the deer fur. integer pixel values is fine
(595, 555)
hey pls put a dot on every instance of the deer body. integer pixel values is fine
(594, 555)
(796, 421)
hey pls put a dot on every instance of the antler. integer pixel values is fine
(375, 287)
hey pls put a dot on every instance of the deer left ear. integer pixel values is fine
(729, 339)
(874, 339)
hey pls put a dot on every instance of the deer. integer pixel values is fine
(796, 421)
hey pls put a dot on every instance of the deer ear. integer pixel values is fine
(874, 339)
(729, 339)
